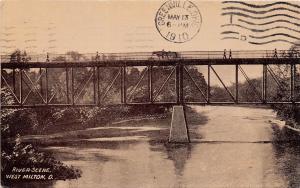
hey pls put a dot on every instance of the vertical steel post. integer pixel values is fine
(181, 83)
(292, 85)
(123, 85)
(94, 85)
(21, 86)
(236, 83)
(67, 86)
(177, 83)
(98, 86)
(150, 83)
(72, 85)
(208, 83)
(41, 82)
(121, 82)
(264, 87)
(46, 86)
(14, 80)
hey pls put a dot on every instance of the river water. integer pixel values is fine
(231, 147)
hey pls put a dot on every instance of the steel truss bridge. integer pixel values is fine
(16, 76)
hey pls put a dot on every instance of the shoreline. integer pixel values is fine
(282, 124)
(25, 138)
(292, 128)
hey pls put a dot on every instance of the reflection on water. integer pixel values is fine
(231, 154)
(124, 138)
(179, 154)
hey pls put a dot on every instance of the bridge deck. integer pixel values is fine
(156, 57)
(166, 62)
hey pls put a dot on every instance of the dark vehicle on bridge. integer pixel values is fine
(19, 57)
(165, 55)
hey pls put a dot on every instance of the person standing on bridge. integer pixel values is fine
(97, 57)
(275, 53)
(47, 58)
(230, 55)
(224, 56)
(163, 53)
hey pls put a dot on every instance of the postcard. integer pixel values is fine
(150, 94)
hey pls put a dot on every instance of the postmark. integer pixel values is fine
(178, 21)
(261, 23)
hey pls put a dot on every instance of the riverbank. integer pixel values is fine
(25, 151)
(83, 118)
(121, 127)
(135, 153)
(284, 132)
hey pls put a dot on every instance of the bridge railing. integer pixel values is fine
(165, 55)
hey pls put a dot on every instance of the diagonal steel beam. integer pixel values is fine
(110, 85)
(52, 97)
(10, 89)
(137, 84)
(249, 82)
(36, 82)
(163, 85)
(193, 80)
(81, 83)
(272, 73)
(223, 83)
(33, 87)
(83, 87)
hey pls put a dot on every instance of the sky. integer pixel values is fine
(41, 26)
(107, 26)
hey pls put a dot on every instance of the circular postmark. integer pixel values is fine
(178, 20)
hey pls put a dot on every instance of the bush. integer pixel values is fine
(21, 155)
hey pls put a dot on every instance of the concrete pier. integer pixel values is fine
(179, 131)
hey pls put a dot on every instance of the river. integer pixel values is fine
(230, 147)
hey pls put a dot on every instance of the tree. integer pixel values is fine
(75, 56)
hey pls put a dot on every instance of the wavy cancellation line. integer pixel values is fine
(262, 6)
(253, 11)
(230, 35)
(275, 35)
(261, 30)
(260, 17)
(270, 22)
(230, 32)
(272, 41)
(224, 38)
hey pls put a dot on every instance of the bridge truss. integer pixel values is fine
(17, 80)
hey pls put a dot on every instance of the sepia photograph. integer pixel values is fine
(150, 93)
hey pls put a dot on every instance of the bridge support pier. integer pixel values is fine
(179, 132)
